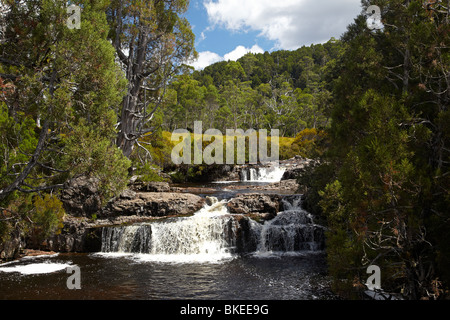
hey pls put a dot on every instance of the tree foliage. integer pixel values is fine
(152, 41)
(60, 92)
(285, 90)
(388, 203)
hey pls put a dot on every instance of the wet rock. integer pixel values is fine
(246, 240)
(255, 203)
(211, 200)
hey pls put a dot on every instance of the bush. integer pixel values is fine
(149, 173)
(47, 217)
(310, 143)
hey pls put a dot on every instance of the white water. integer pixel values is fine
(211, 235)
(263, 174)
(207, 236)
(292, 231)
(36, 268)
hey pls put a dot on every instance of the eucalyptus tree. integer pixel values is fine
(152, 41)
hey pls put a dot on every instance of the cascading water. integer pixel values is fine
(206, 236)
(213, 234)
(292, 230)
(262, 174)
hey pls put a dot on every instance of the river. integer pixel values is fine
(130, 276)
(185, 258)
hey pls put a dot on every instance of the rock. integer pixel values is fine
(211, 200)
(194, 190)
(154, 204)
(127, 194)
(153, 186)
(284, 186)
(246, 241)
(292, 173)
(158, 187)
(80, 197)
(266, 205)
(77, 235)
(10, 248)
(296, 166)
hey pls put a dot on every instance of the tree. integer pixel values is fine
(389, 151)
(152, 41)
(60, 89)
(189, 100)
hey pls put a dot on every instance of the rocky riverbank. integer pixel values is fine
(150, 201)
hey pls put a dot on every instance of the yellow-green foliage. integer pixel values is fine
(286, 148)
(159, 145)
(308, 143)
(48, 216)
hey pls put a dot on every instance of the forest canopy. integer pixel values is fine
(372, 106)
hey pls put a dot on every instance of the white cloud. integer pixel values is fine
(207, 58)
(291, 23)
(241, 51)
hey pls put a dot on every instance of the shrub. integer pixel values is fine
(47, 217)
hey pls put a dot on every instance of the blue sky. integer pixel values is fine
(227, 29)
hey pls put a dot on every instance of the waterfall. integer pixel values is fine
(213, 234)
(292, 230)
(208, 235)
(262, 174)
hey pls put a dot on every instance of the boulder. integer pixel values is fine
(77, 235)
(296, 166)
(154, 204)
(80, 197)
(10, 248)
(266, 205)
(153, 186)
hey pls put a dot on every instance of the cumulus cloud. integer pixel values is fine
(241, 51)
(290, 23)
(207, 58)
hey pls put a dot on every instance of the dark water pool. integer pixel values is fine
(129, 277)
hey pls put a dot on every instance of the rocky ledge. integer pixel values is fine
(81, 234)
(265, 206)
(153, 204)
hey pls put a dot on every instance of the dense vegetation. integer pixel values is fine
(284, 90)
(71, 99)
(373, 106)
(386, 193)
